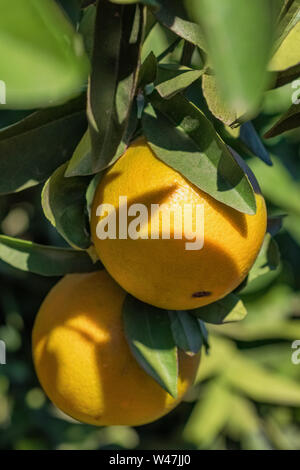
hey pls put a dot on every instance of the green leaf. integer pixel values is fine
(44, 260)
(186, 331)
(250, 137)
(173, 78)
(148, 332)
(215, 103)
(288, 53)
(173, 16)
(290, 120)
(277, 184)
(239, 35)
(43, 62)
(210, 414)
(261, 385)
(64, 204)
(34, 147)
(290, 16)
(268, 259)
(182, 137)
(128, 2)
(87, 28)
(226, 310)
(148, 70)
(116, 59)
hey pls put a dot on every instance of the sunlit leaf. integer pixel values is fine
(173, 78)
(184, 138)
(44, 260)
(239, 35)
(210, 415)
(43, 62)
(226, 310)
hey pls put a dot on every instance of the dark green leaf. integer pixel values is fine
(151, 3)
(290, 120)
(64, 204)
(173, 16)
(173, 78)
(168, 52)
(239, 36)
(148, 332)
(43, 62)
(186, 331)
(226, 310)
(87, 28)
(72, 8)
(44, 260)
(250, 137)
(116, 58)
(287, 76)
(34, 147)
(184, 138)
(148, 70)
(80, 163)
(204, 334)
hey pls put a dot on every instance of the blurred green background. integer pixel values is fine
(248, 390)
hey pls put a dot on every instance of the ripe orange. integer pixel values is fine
(83, 360)
(163, 272)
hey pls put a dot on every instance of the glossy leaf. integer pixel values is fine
(148, 332)
(38, 144)
(173, 78)
(239, 35)
(44, 260)
(226, 310)
(290, 120)
(184, 138)
(43, 62)
(116, 58)
(64, 204)
(186, 331)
